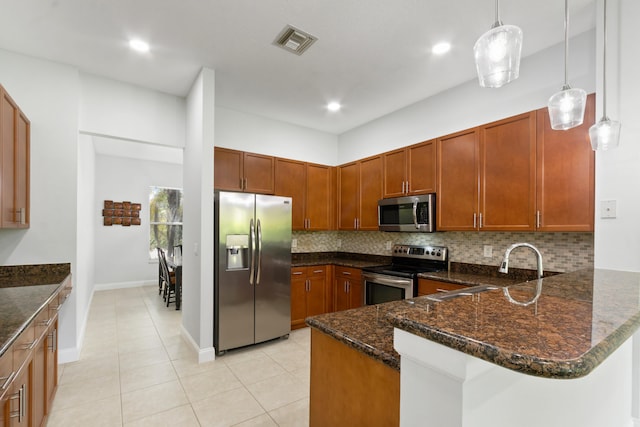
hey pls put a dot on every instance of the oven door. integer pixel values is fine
(381, 288)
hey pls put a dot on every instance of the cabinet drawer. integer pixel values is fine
(23, 346)
(318, 270)
(348, 272)
(426, 286)
(7, 373)
(298, 271)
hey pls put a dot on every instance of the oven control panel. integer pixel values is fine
(437, 253)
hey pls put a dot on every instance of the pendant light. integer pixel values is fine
(497, 54)
(566, 108)
(606, 133)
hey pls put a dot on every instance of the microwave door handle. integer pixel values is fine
(415, 213)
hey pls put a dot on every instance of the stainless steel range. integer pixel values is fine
(399, 280)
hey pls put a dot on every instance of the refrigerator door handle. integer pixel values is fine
(252, 237)
(259, 233)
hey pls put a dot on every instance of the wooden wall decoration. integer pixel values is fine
(121, 213)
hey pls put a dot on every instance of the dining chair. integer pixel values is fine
(168, 279)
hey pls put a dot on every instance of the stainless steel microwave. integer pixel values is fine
(410, 214)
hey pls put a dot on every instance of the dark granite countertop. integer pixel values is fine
(577, 321)
(344, 259)
(24, 292)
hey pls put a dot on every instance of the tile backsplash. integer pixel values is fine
(561, 252)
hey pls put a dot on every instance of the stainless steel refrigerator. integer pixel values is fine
(252, 269)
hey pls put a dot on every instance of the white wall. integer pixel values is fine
(468, 105)
(48, 93)
(85, 266)
(125, 179)
(248, 132)
(617, 241)
(197, 238)
(131, 112)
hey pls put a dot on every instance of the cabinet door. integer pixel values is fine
(51, 356)
(565, 174)
(38, 384)
(298, 296)
(319, 197)
(421, 168)
(348, 196)
(370, 191)
(290, 177)
(8, 111)
(427, 286)
(228, 171)
(341, 299)
(508, 175)
(19, 405)
(22, 171)
(316, 277)
(395, 179)
(258, 173)
(356, 291)
(457, 165)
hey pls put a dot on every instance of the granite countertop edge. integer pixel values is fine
(530, 365)
(390, 360)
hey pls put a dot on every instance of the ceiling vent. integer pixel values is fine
(294, 40)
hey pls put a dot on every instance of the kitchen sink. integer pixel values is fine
(444, 296)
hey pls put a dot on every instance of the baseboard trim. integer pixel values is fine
(204, 354)
(124, 285)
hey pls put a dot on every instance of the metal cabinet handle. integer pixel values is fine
(346, 273)
(475, 216)
(7, 380)
(442, 290)
(297, 273)
(46, 322)
(480, 219)
(54, 340)
(408, 188)
(245, 184)
(402, 187)
(537, 219)
(348, 286)
(318, 271)
(20, 413)
(30, 345)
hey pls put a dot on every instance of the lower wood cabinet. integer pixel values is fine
(428, 286)
(348, 291)
(29, 368)
(308, 293)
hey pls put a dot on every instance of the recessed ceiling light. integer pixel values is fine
(440, 48)
(334, 106)
(139, 45)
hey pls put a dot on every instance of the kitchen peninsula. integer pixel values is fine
(554, 352)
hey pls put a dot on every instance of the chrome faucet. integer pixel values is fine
(504, 267)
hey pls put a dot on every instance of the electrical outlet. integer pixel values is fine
(294, 243)
(488, 251)
(388, 245)
(608, 209)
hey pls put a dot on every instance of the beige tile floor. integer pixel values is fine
(136, 370)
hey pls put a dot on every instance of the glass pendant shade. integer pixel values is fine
(497, 54)
(605, 134)
(566, 108)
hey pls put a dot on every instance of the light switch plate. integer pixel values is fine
(608, 209)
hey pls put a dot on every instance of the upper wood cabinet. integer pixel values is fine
(310, 188)
(486, 177)
(14, 173)
(410, 170)
(242, 171)
(359, 189)
(565, 174)
(508, 174)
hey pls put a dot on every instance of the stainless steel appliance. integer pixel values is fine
(411, 213)
(399, 280)
(252, 269)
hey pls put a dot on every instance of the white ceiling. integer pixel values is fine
(371, 55)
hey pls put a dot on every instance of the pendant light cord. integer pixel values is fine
(604, 64)
(566, 44)
(498, 23)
